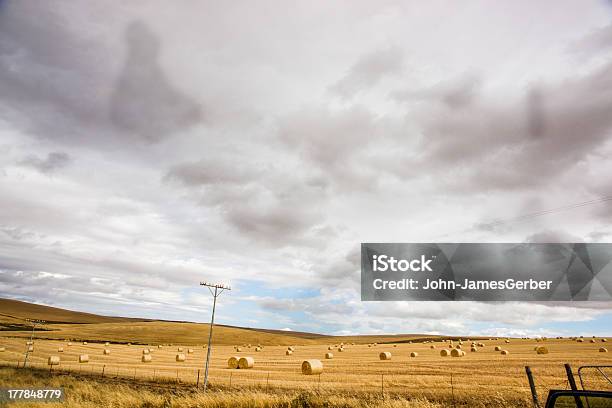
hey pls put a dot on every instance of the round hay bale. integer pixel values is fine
(292, 348)
(53, 360)
(60, 349)
(147, 358)
(444, 353)
(106, 352)
(432, 347)
(239, 349)
(232, 362)
(189, 351)
(457, 353)
(458, 346)
(107, 344)
(246, 362)
(592, 340)
(310, 367)
(330, 348)
(505, 352)
(30, 349)
(288, 352)
(340, 349)
(604, 340)
(259, 349)
(180, 357)
(29, 343)
(603, 350)
(329, 356)
(248, 345)
(84, 358)
(159, 346)
(507, 341)
(146, 351)
(481, 344)
(541, 350)
(497, 348)
(395, 345)
(180, 349)
(580, 340)
(473, 349)
(84, 343)
(69, 344)
(414, 354)
(385, 355)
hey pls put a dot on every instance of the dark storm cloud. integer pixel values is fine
(47, 74)
(274, 223)
(344, 268)
(455, 93)
(212, 171)
(54, 161)
(144, 102)
(59, 84)
(259, 201)
(338, 143)
(368, 71)
(508, 144)
(598, 41)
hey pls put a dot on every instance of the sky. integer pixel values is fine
(148, 146)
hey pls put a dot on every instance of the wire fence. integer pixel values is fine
(437, 385)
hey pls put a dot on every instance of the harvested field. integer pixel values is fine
(358, 368)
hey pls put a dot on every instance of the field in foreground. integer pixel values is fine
(89, 392)
(481, 377)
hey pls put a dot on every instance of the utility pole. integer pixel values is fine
(34, 323)
(218, 289)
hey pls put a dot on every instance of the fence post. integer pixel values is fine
(268, 381)
(452, 390)
(154, 372)
(382, 385)
(230, 379)
(198, 380)
(103, 368)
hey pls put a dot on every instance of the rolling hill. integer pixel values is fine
(67, 324)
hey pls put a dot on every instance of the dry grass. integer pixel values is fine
(483, 376)
(94, 393)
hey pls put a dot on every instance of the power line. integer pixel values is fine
(218, 289)
(529, 216)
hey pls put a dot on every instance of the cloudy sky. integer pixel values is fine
(150, 145)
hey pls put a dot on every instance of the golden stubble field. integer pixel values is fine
(485, 373)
